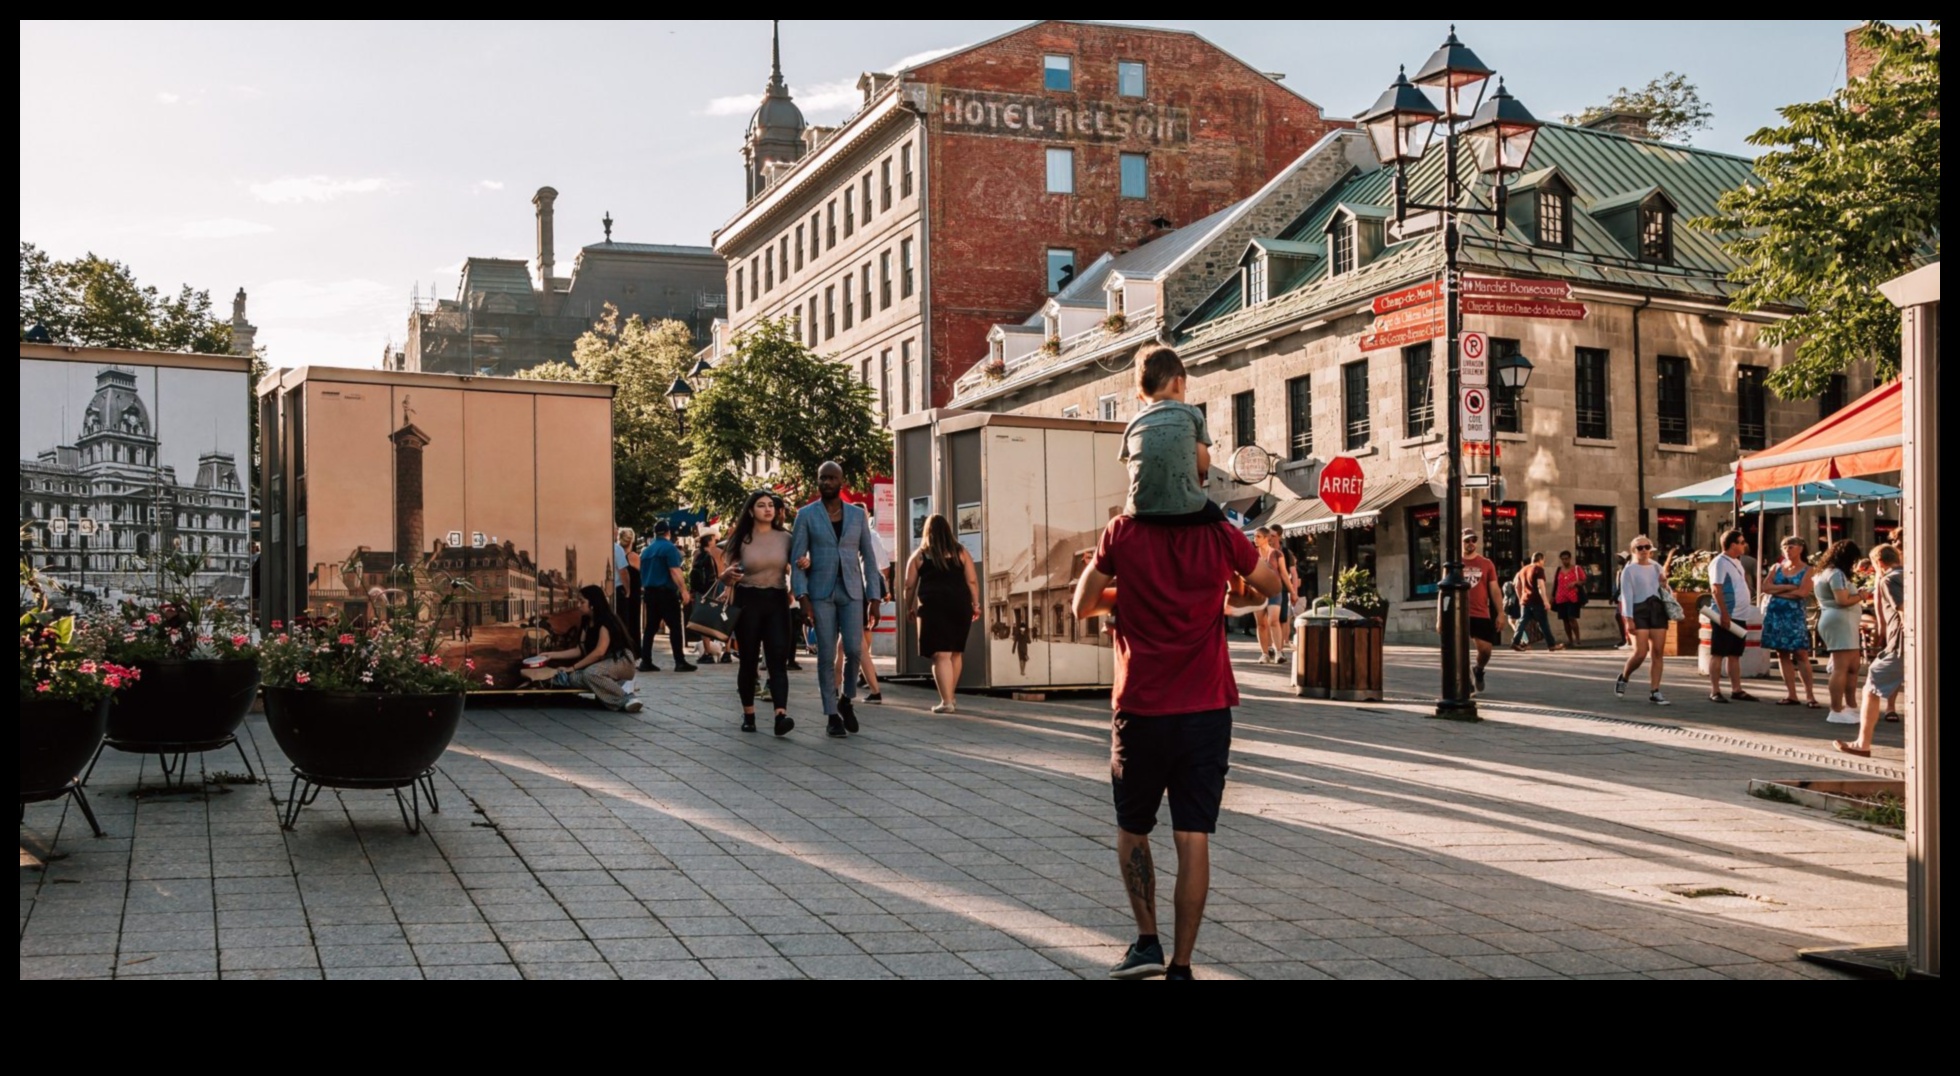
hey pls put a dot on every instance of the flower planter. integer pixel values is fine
(1684, 640)
(57, 738)
(350, 740)
(178, 707)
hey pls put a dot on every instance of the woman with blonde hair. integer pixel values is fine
(1641, 585)
(943, 592)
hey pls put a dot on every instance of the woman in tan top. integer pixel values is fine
(757, 555)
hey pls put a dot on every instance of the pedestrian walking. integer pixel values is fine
(943, 592)
(1483, 603)
(1786, 630)
(703, 569)
(1171, 730)
(1838, 603)
(1728, 593)
(665, 591)
(1888, 669)
(603, 659)
(1624, 625)
(1643, 606)
(1534, 599)
(868, 671)
(838, 590)
(1269, 614)
(758, 567)
(626, 580)
(1569, 596)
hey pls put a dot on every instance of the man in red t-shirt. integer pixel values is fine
(1174, 694)
(1484, 602)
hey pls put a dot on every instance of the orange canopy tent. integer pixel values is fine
(1861, 439)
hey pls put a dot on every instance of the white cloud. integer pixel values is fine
(316, 188)
(220, 228)
(488, 185)
(832, 100)
(165, 97)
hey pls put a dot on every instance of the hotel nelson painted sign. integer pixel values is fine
(1016, 115)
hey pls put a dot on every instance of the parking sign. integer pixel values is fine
(1473, 355)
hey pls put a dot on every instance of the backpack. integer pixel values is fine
(1511, 598)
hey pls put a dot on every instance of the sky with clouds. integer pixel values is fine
(333, 170)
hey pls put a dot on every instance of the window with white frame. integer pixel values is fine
(1255, 281)
(1106, 407)
(1061, 171)
(1129, 78)
(1344, 244)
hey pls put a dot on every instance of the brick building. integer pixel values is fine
(968, 189)
(1658, 385)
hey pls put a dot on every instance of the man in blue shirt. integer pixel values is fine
(836, 581)
(663, 587)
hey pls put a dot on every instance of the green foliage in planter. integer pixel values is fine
(394, 657)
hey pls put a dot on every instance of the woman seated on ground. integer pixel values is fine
(602, 663)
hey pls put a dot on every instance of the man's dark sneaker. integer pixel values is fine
(1141, 962)
(1620, 686)
(727, 658)
(837, 726)
(647, 666)
(748, 722)
(1480, 681)
(793, 665)
(686, 666)
(849, 714)
(1172, 972)
(784, 724)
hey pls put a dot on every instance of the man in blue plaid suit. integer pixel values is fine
(840, 582)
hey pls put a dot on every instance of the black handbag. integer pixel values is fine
(711, 618)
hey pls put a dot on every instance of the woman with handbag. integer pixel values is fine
(757, 555)
(702, 573)
(1644, 602)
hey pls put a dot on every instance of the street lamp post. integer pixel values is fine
(1513, 374)
(1402, 125)
(680, 394)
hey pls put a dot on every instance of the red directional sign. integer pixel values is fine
(1524, 308)
(1402, 336)
(1340, 485)
(1426, 292)
(1497, 287)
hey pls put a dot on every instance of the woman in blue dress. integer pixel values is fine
(1785, 630)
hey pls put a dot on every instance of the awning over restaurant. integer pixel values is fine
(1862, 438)
(1312, 517)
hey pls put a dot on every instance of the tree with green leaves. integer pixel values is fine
(640, 360)
(97, 302)
(776, 404)
(1849, 198)
(1672, 105)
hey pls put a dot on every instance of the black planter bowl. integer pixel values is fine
(57, 738)
(349, 740)
(180, 707)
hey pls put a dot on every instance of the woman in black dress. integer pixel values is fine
(942, 591)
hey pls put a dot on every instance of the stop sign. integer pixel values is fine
(1340, 485)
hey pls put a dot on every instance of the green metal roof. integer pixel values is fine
(1600, 167)
(1291, 248)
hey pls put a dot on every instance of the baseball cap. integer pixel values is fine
(661, 526)
(1469, 535)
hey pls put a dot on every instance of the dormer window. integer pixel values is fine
(1255, 281)
(1554, 217)
(1116, 299)
(1343, 238)
(1656, 233)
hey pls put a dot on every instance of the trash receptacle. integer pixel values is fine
(1337, 656)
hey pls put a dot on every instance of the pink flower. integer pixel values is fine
(42, 686)
(240, 640)
(113, 681)
(302, 677)
(153, 618)
(345, 640)
(489, 680)
(469, 663)
(87, 668)
(278, 624)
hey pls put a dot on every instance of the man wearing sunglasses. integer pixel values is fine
(1485, 603)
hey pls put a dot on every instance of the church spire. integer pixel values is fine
(775, 133)
(776, 84)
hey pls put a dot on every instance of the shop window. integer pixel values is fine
(1061, 171)
(1299, 418)
(1419, 400)
(1673, 530)
(1354, 399)
(1058, 73)
(1425, 550)
(1593, 549)
(1752, 407)
(1590, 415)
(1504, 535)
(1673, 400)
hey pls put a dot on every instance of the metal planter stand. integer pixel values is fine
(306, 788)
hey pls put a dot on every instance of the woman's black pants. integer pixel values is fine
(762, 632)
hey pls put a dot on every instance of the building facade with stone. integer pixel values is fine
(972, 187)
(1646, 381)
(504, 319)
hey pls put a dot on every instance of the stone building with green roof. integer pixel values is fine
(1659, 384)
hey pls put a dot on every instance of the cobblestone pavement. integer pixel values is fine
(1356, 841)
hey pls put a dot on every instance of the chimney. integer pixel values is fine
(1621, 122)
(546, 260)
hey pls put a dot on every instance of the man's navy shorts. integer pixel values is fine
(1184, 754)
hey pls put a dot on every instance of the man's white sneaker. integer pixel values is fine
(1657, 698)
(632, 706)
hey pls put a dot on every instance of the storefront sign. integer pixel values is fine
(1524, 308)
(1017, 115)
(1507, 288)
